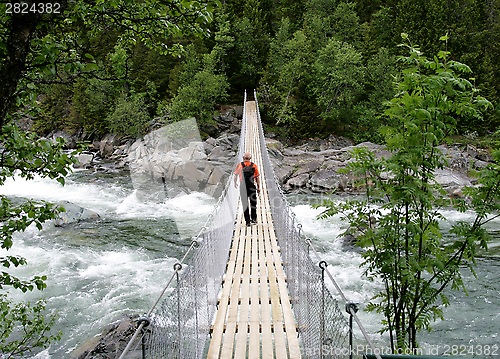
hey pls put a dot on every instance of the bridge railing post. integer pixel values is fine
(323, 266)
(351, 308)
(177, 268)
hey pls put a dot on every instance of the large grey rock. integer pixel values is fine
(216, 176)
(69, 141)
(449, 178)
(74, 214)
(194, 151)
(84, 160)
(107, 145)
(325, 180)
(154, 160)
(229, 141)
(110, 343)
(273, 144)
(283, 173)
(217, 153)
(308, 167)
(298, 181)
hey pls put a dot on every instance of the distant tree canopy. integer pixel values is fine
(320, 66)
(55, 43)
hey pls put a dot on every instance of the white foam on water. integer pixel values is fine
(191, 205)
(89, 288)
(189, 211)
(96, 196)
(90, 284)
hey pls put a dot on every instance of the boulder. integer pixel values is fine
(283, 173)
(324, 180)
(84, 160)
(308, 167)
(110, 343)
(107, 145)
(217, 153)
(74, 214)
(194, 151)
(216, 176)
(449, 178)
(273, 144)
(298, 181)
(69, 141)
(229, 141)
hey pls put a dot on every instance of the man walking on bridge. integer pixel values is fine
(248, 175)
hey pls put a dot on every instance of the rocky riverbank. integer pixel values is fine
(310, 167)
(313, 167)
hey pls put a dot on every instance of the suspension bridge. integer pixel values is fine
(249, 291)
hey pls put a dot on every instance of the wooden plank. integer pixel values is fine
(244, 299)
(289, 319)
(218, 331)
(219, 326)
(232, 314)
(254, 340)
(267, 344)
(279, 337)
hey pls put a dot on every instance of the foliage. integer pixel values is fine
(203, 84)
(26, 318)
(85, 59)
(92, 102)
(25, 326)
(338, 77)
(399, 221)
(130, 116)
(288, 69)
(40, 48)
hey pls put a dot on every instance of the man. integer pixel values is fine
(248, 175)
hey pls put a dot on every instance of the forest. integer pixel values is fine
(320, 67)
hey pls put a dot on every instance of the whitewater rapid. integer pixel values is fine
(100, 271)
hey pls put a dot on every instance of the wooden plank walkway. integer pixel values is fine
(254, 317)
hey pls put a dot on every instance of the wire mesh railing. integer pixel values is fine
(323, 328)
(178, 324)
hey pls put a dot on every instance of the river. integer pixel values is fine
(99, 271)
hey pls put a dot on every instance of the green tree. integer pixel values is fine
(251, 45)
(57, 45)
(399, 221)
(338, 79)
(203, 83)
(378, 88)
(287, 74)
(92, 102)
(130, 116)
(325, 20)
